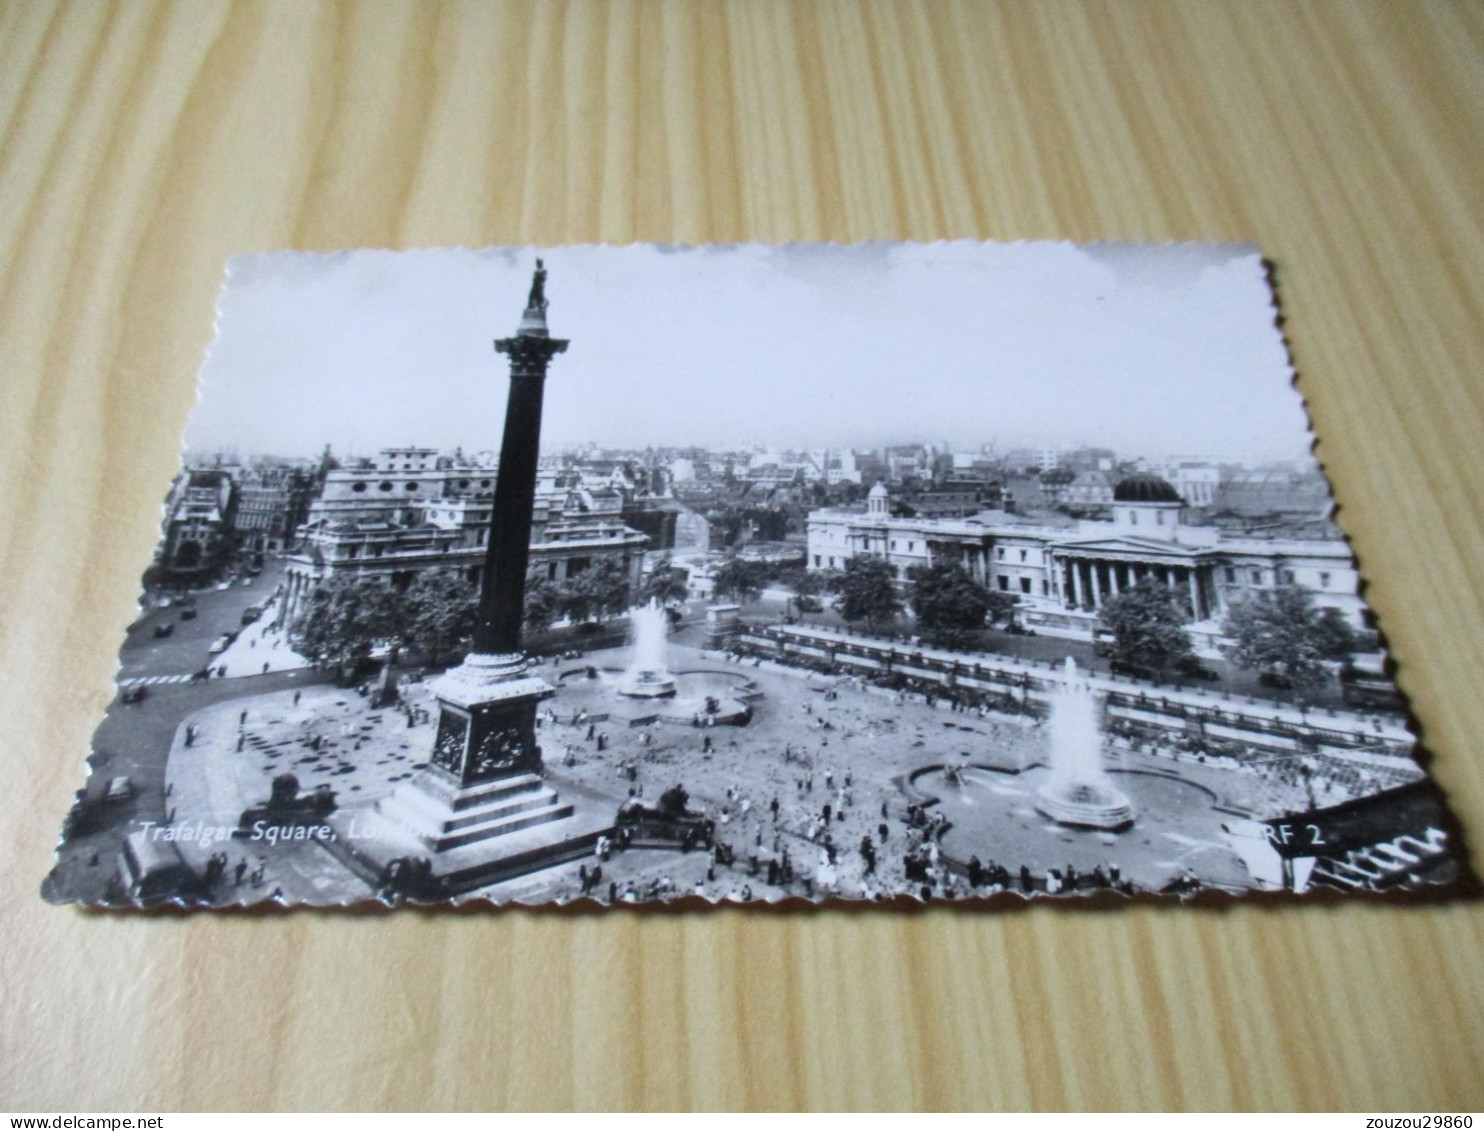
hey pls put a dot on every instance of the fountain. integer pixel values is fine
(646, 676)
(1079, 791)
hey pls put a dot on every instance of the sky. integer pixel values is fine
(1154, 350)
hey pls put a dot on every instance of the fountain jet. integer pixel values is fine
(647, 677)
(1079, 791)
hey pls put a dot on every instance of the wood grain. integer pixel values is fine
(143, 143)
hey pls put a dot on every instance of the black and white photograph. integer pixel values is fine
(750, 573)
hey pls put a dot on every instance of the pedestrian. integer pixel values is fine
(241, 738)
(265, 667)
(240, 871)
(299, 693)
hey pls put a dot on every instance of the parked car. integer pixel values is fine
(134, 693)
(151, 870)
(220, 644)
(1192, 668)
(187, 614)
(164, 629)
(1369, 688)
(119, 789)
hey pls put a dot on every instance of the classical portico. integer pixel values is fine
(1086, 574)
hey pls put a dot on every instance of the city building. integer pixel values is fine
(1054, 485)
(199, 515)
(413, 510)
(1273, 493)
(272, 503)
(1088, 490)
(1062, 570)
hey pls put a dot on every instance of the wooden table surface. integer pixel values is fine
(141, 144)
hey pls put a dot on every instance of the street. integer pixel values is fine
(218, 611)
(994, 641)
(134, 739)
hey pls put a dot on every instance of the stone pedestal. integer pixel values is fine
(483, 776)
(723, 626)
(481, 811)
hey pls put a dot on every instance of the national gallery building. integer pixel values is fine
(1062, 569)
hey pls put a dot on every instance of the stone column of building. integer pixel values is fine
(1097, 588)
(1196, 604)
(1076, 566)
(1113, 588)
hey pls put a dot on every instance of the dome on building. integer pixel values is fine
(1145, 488)
(877, 492)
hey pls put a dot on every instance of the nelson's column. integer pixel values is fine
(480, 810)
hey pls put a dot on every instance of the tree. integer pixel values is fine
(667, 583)
(807, 588)
(867, 591)
(947, 602)
(598, 592)
(440, 609)
(347, 617)
(1337, 640)
(1148, 626)
(543, 602)
(1281, 634)
(738, 580)
(829, 580)
(1001, 605)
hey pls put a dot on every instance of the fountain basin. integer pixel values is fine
(995, 813)
(678, 697)
(1087, 805)
(647, 685)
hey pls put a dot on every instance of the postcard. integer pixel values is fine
(750, 573)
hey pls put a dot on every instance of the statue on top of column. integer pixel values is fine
(537, 299)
